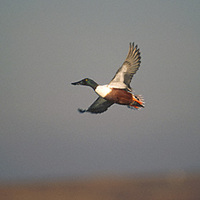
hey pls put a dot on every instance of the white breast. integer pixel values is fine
(102, 90)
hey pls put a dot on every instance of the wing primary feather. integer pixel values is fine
(81, 110)
(130, 66)
(99, 105)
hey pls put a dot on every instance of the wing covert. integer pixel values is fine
(125, 73)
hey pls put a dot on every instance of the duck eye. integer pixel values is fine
(86, 79)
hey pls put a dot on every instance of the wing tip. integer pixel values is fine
(133, 50)
(81, 110)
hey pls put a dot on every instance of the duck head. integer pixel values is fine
(87, 82)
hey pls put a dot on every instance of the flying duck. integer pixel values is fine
(118, 90)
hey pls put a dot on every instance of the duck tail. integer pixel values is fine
(137, 103)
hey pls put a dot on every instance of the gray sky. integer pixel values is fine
(46, 45)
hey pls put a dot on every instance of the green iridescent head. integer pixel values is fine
(87, 82)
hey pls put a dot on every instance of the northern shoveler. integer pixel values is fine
(118, 90)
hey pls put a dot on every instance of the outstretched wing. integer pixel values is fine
(99, 106)
(125, 73)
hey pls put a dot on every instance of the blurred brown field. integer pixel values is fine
(168, 187)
